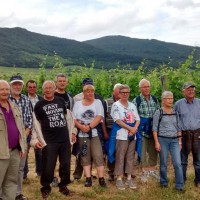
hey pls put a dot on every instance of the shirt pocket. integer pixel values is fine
(2, 123)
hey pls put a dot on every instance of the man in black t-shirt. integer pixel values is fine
(50, 112)
(61, 83)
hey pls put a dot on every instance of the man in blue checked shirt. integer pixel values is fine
(146, 104)
(16, 85)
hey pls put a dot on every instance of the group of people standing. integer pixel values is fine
(56, 124)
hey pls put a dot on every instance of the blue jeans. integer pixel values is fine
(170, 145)
(196, 160)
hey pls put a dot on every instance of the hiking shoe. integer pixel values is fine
(154, 174)
(20, 197)
(102, 182)
(64, 191)
(120, 185)
(131, 184)
(54, 182)
(144, 177)
(88, 182)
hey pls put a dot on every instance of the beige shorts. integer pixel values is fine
(94, 152)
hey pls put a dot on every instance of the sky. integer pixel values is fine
(176, 21)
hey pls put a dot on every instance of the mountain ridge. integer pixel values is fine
(22, 48)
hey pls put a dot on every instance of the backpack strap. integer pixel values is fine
(138, 102)
(161, 115)
(154, 99)
(160, 118)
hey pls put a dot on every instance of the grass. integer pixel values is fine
(150, 190)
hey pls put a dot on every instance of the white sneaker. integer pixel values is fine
(120, 185)
(131, 184)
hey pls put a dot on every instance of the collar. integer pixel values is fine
(186, 101)
(36, 96)
(143, 98)
(14, 97)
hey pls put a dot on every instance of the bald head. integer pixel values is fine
(4, 90)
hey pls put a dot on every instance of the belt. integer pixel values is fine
(192, 131)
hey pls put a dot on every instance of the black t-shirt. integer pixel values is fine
(51, 115)
(65, 97)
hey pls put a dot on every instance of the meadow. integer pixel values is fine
(144, 191)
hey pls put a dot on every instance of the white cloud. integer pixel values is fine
(167, 20)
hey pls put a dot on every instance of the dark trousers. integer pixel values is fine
(38, 161)
(78, 168)
(111, 168)
(49, 158)
(196, 160)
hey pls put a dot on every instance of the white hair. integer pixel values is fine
(116, 86)
(142, 81)
(3, 81)
(166, 93)
(49, 81)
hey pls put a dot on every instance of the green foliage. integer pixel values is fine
(104, 80)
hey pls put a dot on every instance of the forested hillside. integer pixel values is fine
(22, 48)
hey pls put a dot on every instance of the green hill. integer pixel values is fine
(22, 48)
(154, 51)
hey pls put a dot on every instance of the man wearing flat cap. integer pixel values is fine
(16, 85)
(189, 113)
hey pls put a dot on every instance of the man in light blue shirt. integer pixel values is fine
(189, 113)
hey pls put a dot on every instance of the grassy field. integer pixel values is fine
(150, 190)
(8, 70)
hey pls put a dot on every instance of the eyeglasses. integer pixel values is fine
(31, 87)
(124, 93)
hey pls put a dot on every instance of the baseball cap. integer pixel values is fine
(188, 84)
(87, 81)
(16, 78)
